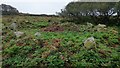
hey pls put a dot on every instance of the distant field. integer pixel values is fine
(12, 18)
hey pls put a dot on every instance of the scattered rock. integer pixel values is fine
(19, 34)
(89, 27)
(89, 24)
(26, 21)
(114, 32)
(101, 28)
(89, 43)
(2, 26)
(37, 34)
(101, 25)
(13, 26)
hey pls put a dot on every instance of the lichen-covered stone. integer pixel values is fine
(89, 43)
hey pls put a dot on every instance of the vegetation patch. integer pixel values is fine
(60, 45)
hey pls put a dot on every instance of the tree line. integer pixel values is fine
(96, 12)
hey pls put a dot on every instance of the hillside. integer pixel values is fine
(8, 10)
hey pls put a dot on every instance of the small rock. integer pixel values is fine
(89, 24)
(89, 43)
(114, 32)
(2, 26)
(37, 34)
(19, 34)
(101, 28)
(13, 26)
(26, 21)
(101, 25)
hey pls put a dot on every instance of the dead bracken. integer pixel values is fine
(53, 28)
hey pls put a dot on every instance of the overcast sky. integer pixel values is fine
(41, 6)
(37, 6)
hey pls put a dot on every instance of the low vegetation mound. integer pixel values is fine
(53, 28)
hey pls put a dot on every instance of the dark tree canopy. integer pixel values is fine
(98, 12)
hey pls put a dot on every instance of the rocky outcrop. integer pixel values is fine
(8, 10)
